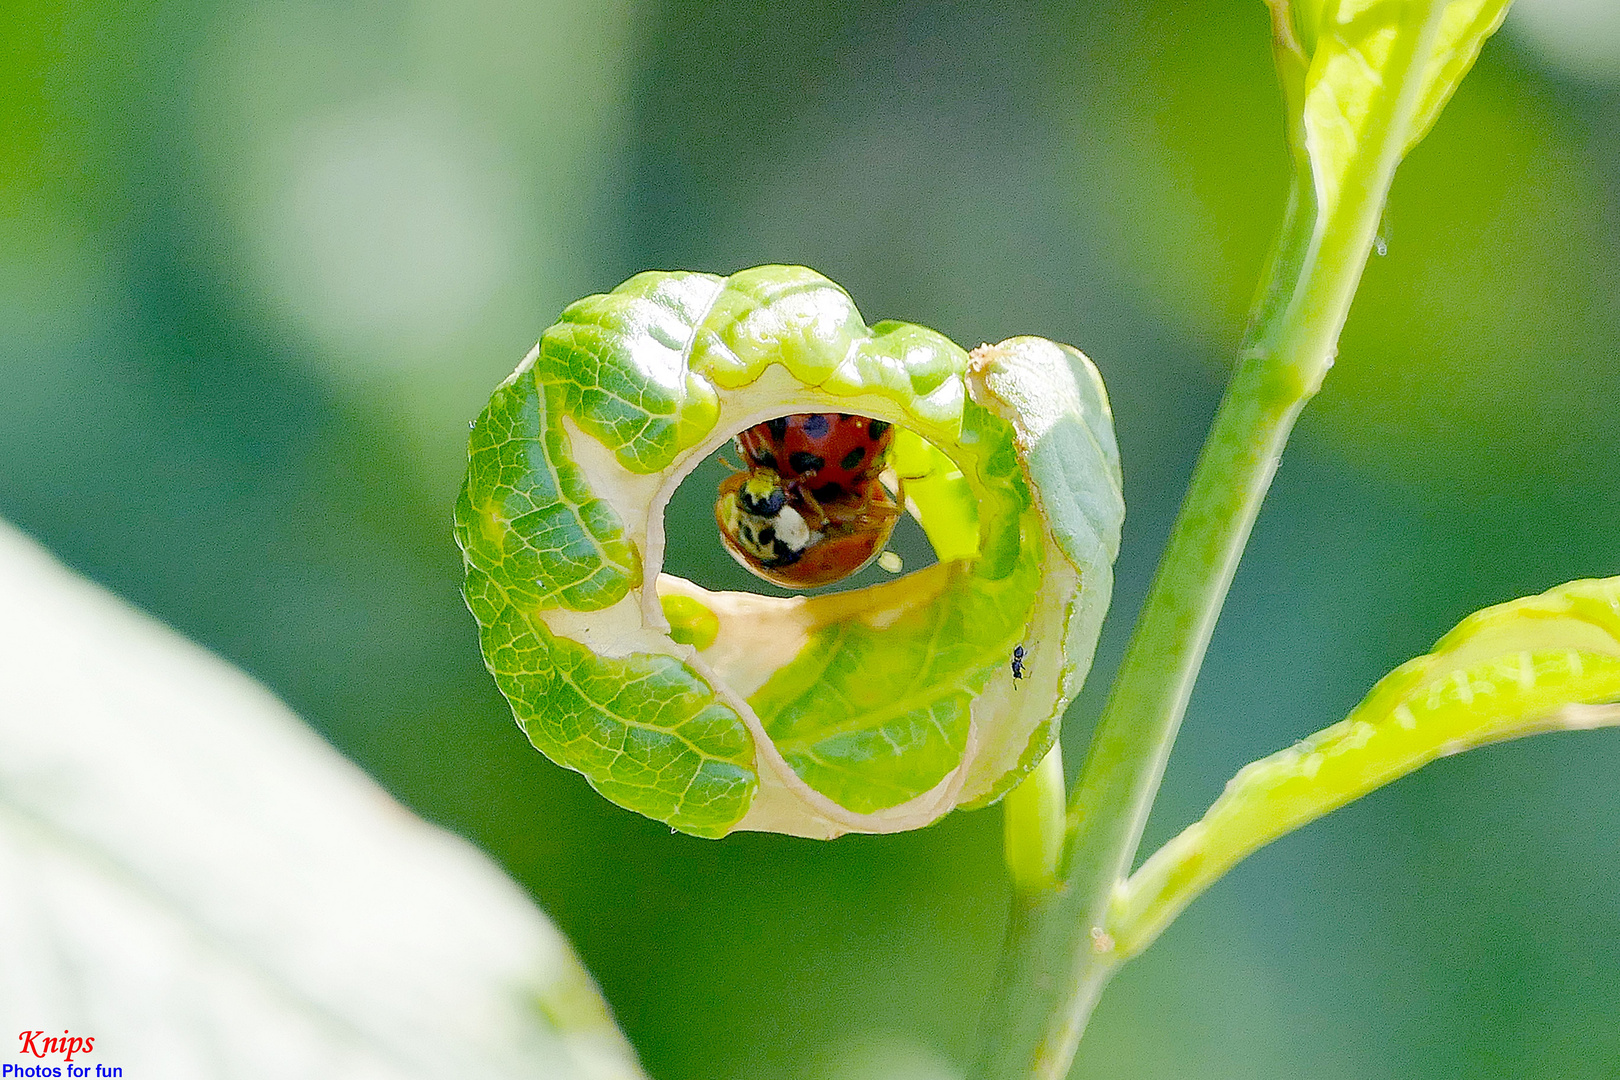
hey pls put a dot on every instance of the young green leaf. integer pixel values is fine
(872, 711)
(1334, 58)
(1543, 663)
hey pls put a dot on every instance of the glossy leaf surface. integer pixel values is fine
(874, 710)
(1543, 663)
(1333, 58)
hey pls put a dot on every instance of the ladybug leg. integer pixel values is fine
(815, 507)
(891, 509)
(878, 512)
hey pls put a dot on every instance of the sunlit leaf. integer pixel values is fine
(1463, 30)
(868, 711)
(1346, 94)
(1543, 663)
(194, 879)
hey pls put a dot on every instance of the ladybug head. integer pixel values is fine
(757, 523)
(762, 494)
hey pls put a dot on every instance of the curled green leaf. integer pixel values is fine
(873, 710)
(1543, 663)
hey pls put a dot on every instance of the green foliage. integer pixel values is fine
(873, 715)
(1512, 670)
(690, 623)
(712, 711)
(537, 529)
(1364, 80)
(263, 262)
(1334, 60)
(619, 361)
(946, 508)
(646, 730)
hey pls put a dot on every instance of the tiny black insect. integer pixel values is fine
(1018, 662)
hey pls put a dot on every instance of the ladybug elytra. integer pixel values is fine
(828, 455)
(809, 509)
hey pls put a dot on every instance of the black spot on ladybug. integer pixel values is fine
(777, 427)
(767, 535)
(846, 416)
(804, 462)
(853, 458)
(829, 492)
(815, 425)
(782, 555)
(765, 460)
(876, 428)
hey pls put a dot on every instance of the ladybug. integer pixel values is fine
(809, 509)
(758, 524)
(1018, 669)
(820, 457)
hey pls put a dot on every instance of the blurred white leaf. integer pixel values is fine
(194, 879)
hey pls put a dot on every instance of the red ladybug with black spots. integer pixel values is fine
(821, 457)
(808, 507)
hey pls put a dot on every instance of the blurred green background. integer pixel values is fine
(261, 263)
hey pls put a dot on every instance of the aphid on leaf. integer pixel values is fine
(809, 510)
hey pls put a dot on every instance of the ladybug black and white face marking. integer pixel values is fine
(761, 495)
(1018, 669)
(809, 509)
(754, 516)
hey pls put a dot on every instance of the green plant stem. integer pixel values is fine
(1058, 958)
(1034, 825)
